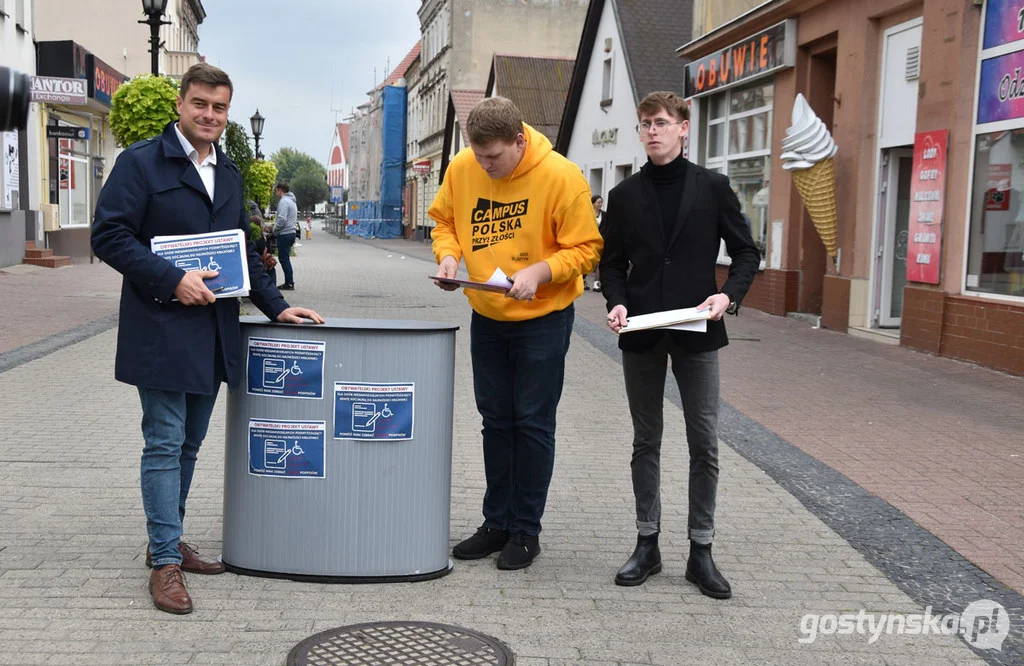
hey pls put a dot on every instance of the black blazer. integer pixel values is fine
(153, 190)
(647, 272)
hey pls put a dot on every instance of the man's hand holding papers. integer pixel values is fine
(686, 319)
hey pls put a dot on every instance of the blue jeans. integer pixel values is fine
(173, 426)
(284, 255)
(518, 371)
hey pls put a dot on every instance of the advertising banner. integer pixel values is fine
(1004, 22)
(927, 201)
(1001, 88)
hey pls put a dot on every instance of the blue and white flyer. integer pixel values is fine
(221, 251)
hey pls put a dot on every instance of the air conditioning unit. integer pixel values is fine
(51, 216)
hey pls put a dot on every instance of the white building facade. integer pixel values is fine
(21, 150)
(110, 30)
(616, 66)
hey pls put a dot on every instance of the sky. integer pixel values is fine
(285, 57)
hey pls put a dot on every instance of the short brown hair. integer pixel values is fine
(494, 119)
(206, 74)
(283, 186)
(670, 102)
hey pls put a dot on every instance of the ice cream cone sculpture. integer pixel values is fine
(808, 152)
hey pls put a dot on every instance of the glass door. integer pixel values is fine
(892, 254)
(73, 190)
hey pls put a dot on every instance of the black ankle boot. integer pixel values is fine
(701, 570)
(642, 564)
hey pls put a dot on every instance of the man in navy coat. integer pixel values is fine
(176, 341)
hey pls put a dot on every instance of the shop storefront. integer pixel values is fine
(995, 241)
(78, 146)
(733, 90)
(931, 254)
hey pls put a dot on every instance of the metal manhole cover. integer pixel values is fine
(400, 644)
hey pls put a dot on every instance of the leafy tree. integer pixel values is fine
(236, 145)
(260, 180)
(142, 108)
(310, 188)
(290, 163)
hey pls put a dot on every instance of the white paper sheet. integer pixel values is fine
(666, 319)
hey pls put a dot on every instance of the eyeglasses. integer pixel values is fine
(660, 125)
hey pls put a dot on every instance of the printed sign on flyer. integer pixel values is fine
(285, 368)
(293, 449)
(373, 411)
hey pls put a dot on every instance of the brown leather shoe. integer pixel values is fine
(192, 561)
(167, 585)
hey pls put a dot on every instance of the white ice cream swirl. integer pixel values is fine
(807, 140)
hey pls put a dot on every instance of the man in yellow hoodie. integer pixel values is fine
(509, 201)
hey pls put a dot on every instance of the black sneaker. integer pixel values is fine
(519, 552)
(480, 545)
(287, 286)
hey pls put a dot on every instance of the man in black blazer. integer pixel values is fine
(176, 342)
(663, 226)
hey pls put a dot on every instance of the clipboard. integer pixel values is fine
(467, 284)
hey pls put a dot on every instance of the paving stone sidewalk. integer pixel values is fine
(940, 440)
(73, 584)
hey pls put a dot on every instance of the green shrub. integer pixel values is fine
(142, 108)
(260, 180)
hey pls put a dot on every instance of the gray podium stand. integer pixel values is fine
(371, 505)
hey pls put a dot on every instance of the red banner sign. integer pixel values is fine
(421, 166)
(927, 201)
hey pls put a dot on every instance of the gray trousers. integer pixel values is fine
(696, 374)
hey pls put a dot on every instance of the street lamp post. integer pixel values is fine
(256, 123)
(154, 11)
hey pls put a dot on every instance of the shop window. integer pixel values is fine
(606, 82)
(737, 126)
(597, 181)
(995, 262)
(622, 172)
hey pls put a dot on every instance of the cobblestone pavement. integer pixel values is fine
(42, 302)
(940, 440)
(73, 585)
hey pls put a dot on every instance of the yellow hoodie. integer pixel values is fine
(542, 212)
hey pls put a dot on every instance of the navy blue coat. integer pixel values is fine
(154, 190)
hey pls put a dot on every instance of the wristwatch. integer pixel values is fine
(733, 305)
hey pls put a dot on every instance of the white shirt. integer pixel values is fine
(207, 168)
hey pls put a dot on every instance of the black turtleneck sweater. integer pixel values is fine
(668, 186)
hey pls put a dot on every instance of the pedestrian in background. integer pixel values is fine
(597, 202)
(286, 227)
(176, 342)
(266, 245)
(309, 228)
(509, 201)
(662, 233)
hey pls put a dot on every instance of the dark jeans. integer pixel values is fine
(696, 374)
(284, 255)
(173, 427)
(518, 371)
